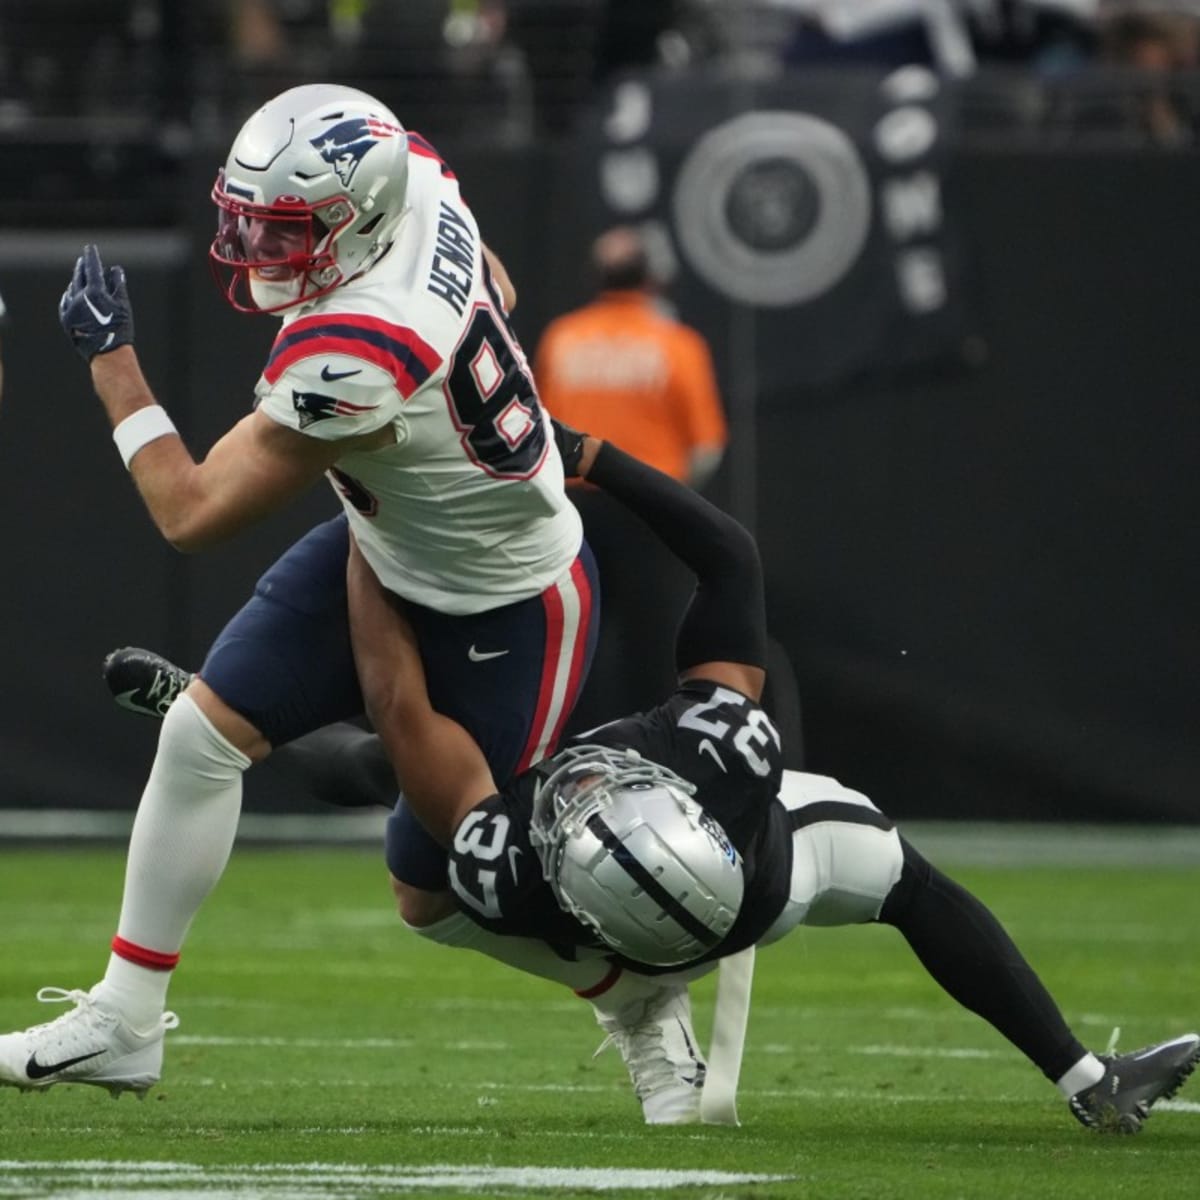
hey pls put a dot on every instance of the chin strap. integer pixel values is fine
(718, 1100)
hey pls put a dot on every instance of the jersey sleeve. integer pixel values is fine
(496, 874)
(720, 741)
(335, 376)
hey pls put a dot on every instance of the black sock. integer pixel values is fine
(962, 945)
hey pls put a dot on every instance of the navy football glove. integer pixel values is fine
(94, 310)
(570, 447)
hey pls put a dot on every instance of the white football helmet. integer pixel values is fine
(312, 193)
(629, 853)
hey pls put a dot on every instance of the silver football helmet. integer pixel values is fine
(630, 853)
(311, 194)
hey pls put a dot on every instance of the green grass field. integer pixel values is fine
(325, 1052)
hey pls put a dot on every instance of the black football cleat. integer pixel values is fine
(1132, 1083)
(144, 682)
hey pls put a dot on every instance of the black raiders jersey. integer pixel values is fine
(712, 736)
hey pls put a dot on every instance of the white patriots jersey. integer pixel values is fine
(466, 511)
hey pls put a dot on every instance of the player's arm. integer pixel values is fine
(501, 278)
(439, 765)
(723, 636)
(256, 468)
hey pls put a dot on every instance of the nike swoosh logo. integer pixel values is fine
(483, 655)
(35, 1070)
(151, 706)
(104, 320)
(705, 744)
(329, 376)
(514, 852)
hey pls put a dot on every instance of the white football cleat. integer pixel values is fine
(655, 1037)
(89, 1044)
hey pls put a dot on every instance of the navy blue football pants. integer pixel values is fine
(510, 675)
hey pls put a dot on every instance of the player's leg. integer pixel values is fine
(510, 677)
(343, 764)
(648, 1018)
(281, 666)
(965, 948)
(851, 866)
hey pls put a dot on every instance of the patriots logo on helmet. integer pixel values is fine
(344, 144)
(313, 407)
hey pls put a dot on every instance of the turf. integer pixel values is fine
(324, 1051)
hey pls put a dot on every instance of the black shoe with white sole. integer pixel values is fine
(144, 682)
(1132, 1083)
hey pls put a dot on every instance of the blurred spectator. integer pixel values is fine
(622, 369)
(1156, 43)
(447, 67)
(952, 36)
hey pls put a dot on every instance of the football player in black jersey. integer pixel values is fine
(671, 837)
(665, 841)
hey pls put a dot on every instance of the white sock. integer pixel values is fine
(139, 994)
(1088, 1070)
(181, 840)
(526, 954)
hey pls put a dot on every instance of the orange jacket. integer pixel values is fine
(623, 371)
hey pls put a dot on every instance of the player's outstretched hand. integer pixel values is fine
(95, 310)
(570, 443)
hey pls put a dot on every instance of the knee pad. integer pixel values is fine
(846, 856)
(190, 742)
(856, 868)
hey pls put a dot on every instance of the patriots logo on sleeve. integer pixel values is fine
(313, 407)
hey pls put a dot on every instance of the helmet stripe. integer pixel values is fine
(648, 884)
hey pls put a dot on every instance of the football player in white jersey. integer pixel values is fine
(397, 374)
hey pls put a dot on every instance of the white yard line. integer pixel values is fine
(94, 1178)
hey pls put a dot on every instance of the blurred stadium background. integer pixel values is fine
(952, 306)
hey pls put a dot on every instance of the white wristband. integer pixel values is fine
(140, 428)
